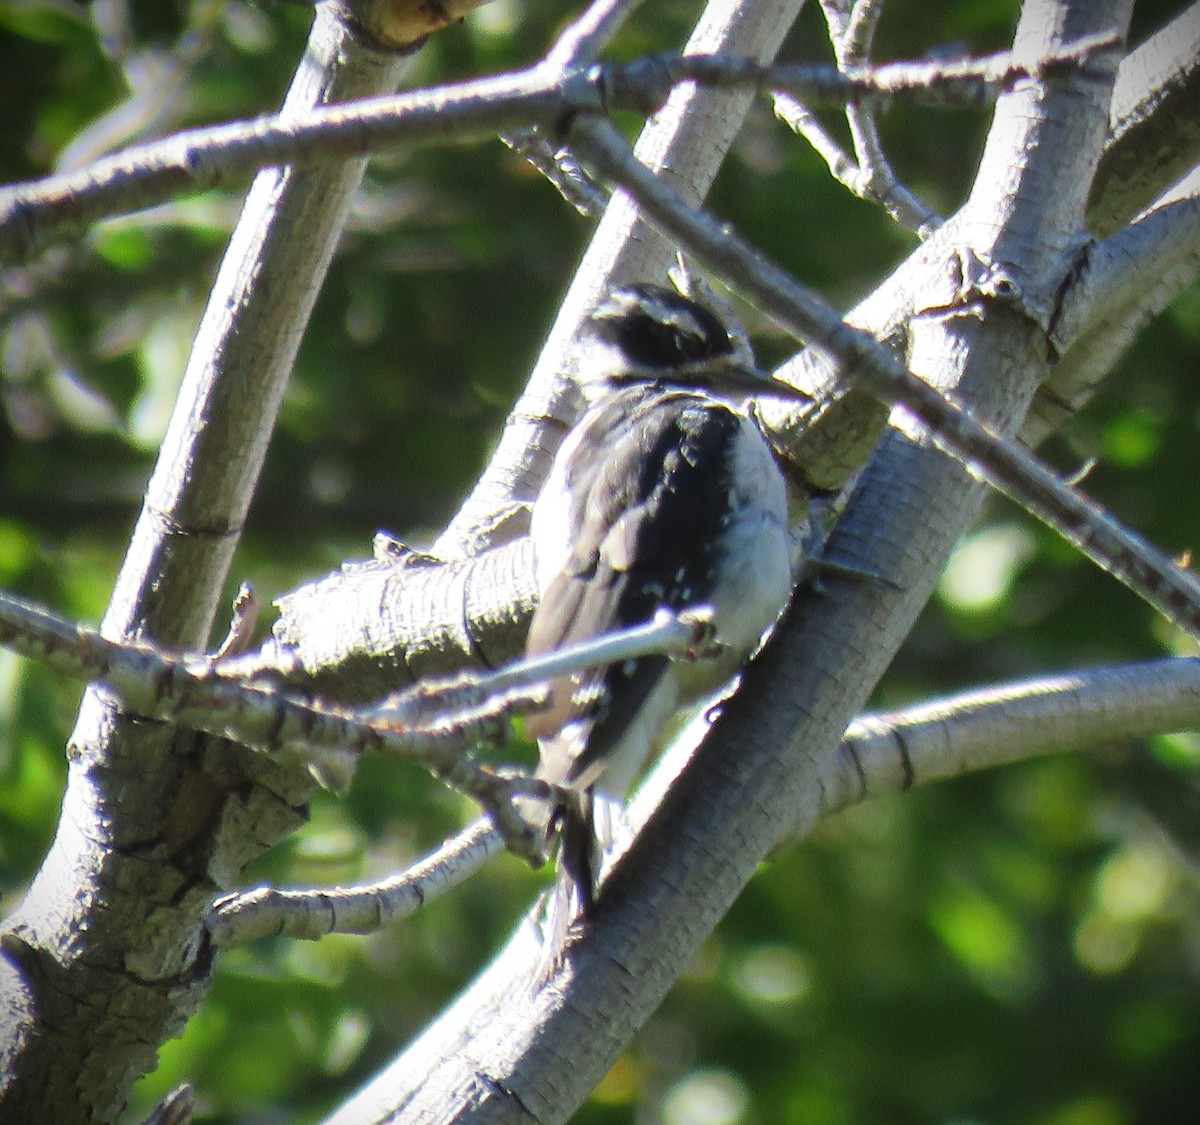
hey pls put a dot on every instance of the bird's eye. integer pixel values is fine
(683, 343)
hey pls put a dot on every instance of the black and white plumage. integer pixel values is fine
(664, 495)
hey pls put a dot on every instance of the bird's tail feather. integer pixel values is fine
(575, 881)
(587, 830)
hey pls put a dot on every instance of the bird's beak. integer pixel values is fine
(768, 385)
(753, 382)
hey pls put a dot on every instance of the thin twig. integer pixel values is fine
(802, 121)
(193, 692)
(559, 166)
(869, 175)
(579, 46)
(957, 82)
(311, 914)
(877, 180)
(853, 41)
(581, 43)
(686, 634)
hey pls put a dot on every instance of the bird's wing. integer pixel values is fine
(649, 514)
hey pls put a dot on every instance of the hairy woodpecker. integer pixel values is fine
(665, 494)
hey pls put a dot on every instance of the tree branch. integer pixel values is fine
(996, 726)
(1154, 130)
(36, 214)
(311, 914)
(434, 724)
(1121, 283)
(1132, 275)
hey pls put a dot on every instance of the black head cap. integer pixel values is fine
(656, 329)
(647, 333)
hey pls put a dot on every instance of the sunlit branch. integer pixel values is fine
(1154, 136)
(959, 82)
(313, 913)
(877, 181)
(546, 95)
(995, 726)
(1113, 273)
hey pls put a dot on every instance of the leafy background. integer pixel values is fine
(1021, 946)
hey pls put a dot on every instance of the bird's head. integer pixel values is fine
(650, 334)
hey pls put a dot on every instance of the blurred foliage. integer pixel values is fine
(1017, 947)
